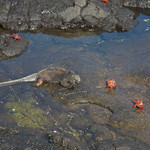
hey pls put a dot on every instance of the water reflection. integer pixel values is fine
(69, 33)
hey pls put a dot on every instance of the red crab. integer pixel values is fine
(105, 1)
(16, 36)
(138, 104)
(111, 84)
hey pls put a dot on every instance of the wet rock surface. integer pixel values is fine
(119, 145)
(85, 117)
(32, 15)
(12, 138)
(66, 142)
(10, 48)
(139, 73)
(115, 121)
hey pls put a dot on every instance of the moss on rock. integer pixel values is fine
(27, 114)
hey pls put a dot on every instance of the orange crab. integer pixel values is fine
(105, 1)
(16, 36)
(138, 104)
(111, 84)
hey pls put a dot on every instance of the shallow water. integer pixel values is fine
(95, 58)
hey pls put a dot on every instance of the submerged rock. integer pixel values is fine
(139, 73)
(26, 114)
(130, 120)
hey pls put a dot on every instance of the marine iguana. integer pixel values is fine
(50, 75)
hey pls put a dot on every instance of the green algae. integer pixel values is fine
(27, 113)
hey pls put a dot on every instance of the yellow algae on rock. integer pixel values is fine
(27, 114)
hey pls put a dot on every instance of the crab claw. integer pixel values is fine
(105, 1)
(138, 104)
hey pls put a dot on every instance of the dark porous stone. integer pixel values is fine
(125, 26)
(33, 15)
(8, 130)
(126, 19)
(12, 139)
(102, 146)
(137, 3)
(65, 142)
(10, 48)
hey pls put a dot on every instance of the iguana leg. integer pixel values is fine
(66, 84)
(39, 82)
